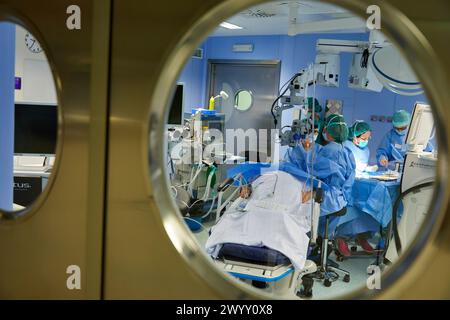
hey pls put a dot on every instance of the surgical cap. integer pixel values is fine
(358, 128)
(334, 117)
(318, 123)
(401, 119)
(337, 128)
(317, 106)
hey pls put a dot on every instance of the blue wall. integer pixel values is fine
(194, 79)
(295, 54)
(7, 66)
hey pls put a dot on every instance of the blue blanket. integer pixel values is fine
(251, 171)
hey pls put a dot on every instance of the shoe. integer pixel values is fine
(342, 247)
(365, 245)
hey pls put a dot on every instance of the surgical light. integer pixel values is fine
(230, 26)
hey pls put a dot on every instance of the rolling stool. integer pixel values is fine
(328, 270)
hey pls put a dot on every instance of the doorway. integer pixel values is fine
(252, 86)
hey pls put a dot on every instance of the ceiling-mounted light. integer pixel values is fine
(230, 26)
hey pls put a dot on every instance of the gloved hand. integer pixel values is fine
(384, 162)
(373, 168)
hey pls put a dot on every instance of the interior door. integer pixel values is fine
(261, 80)
(62, 235)
(148, 252)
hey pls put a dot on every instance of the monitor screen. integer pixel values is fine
(35, 130)
(176, 109)
(422, 125)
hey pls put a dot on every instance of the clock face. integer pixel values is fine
(32, 44)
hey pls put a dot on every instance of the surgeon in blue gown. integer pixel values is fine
(331, 162)
(392, 147)
(358, 142)
(358, 225)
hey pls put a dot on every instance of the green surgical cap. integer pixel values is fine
(401, 119)
(337, 128)
(358, 128)
(334, 118)
(317, 106)
(318, 123)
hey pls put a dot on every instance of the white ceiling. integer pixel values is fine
(273, 18)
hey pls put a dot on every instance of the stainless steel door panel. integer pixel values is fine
(65, 228)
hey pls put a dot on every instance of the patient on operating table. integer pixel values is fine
(273, 211)
(246, 191)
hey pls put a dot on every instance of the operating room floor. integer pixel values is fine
(357, 266)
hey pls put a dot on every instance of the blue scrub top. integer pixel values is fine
(334, 165)
(392, 147)
(362, 155)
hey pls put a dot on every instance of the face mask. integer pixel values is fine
(363, 143)
(324, 135)
(402, 133)
(315, 136)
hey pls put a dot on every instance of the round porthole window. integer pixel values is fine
(243, 100)
(28, 120)
(300, 221)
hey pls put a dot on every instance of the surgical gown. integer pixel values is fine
(392, 147)
(362, 156)
(301, 158)
(334, 165)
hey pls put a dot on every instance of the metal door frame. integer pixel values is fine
(64, 226)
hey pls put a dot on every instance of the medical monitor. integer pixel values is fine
(35, 129)
(176, 108)
(421, 128)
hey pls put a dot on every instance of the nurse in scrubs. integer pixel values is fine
(359, 136)
(362, 226)
(392, 148)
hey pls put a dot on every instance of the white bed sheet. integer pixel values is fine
(274, 217)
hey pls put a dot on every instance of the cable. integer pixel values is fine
(210, 208)
(200, 167)
(365, 59)
(290, 80)
(176, 191)
(280, 96)
(208, 183)
(397, 239)
(273, 106)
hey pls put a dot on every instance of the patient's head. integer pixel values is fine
(245, 191)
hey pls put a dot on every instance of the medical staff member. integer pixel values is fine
(335, 165)
(331, 162)
(392, 147)
(361, 226)
(301, 154)
(359, 136)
